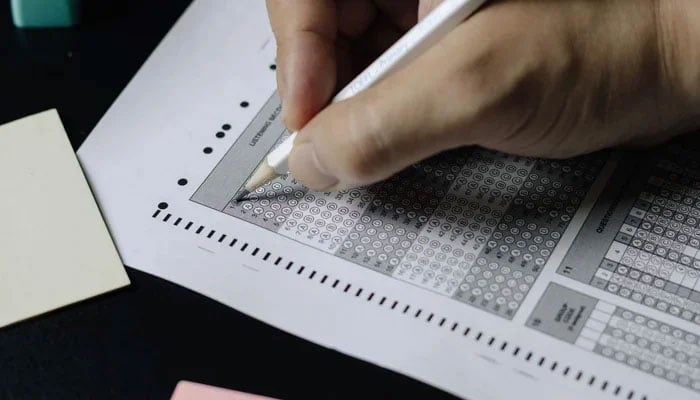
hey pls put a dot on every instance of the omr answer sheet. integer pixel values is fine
(488, 275)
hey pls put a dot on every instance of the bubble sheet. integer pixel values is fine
(528, 232)
(456, 233)
(622, 335)
(398, 212)
(472, 224)
(166, 211)
(651, 346)
(654, 259)
(272, 205)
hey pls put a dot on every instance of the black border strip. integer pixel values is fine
(490, 341)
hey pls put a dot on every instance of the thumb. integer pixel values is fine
(426, 6)
(376, 133)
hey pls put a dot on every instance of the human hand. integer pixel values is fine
(547, 78)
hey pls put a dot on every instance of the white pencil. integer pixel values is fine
(443, 19)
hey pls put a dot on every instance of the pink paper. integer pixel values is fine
(196, 391)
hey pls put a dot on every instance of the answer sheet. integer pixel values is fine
(564, 279)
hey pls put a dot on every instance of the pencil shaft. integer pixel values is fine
(422, 36)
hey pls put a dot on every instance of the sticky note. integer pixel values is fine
(196, 391)
(54, 246)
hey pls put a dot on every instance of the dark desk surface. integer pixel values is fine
(138, 342)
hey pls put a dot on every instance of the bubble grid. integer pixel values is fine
(471, 224)
(654, 259)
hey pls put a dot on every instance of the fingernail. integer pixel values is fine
(305, 164)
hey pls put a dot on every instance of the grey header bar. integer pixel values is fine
(237, 164)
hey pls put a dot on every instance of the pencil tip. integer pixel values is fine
(242, 195)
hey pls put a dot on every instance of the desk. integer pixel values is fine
(138, 342)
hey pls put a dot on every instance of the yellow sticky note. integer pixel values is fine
(54, 246)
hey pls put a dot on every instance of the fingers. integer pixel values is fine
(426, 6)
(537, 79)
(403, 119)
(470, 88)
(305, 31)
(354, 16)
(402, 13)
(373, 42)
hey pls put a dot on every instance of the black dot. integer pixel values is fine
(182, 182)
(163, 205)
(244, 104)
(208, 150)
(226, 127)
(220, 135)
(273, 67)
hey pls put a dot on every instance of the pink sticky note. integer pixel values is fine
(196, 391)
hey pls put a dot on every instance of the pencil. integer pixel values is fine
(442, 20)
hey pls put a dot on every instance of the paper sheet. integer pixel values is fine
(54, 246)
(490, 276)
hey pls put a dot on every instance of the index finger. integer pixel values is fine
(305, 31)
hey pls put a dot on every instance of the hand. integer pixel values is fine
(546, 78)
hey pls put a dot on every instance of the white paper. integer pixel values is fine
(54, 246)
(352, 272)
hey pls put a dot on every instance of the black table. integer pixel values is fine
(137, 343)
